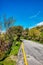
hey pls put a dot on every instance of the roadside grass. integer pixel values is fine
(8, 61)
(15, 48)
(37, 41)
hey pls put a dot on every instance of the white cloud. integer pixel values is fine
(39, 24)
(35, 15)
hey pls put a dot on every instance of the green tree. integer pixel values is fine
(41, 37)
(25, 33)
(34, 34)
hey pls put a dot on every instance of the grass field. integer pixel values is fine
(15, 48)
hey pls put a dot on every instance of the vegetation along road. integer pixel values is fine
(34, 52)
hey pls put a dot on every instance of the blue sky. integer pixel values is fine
(26, 12)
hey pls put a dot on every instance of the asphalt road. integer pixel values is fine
(34, 52)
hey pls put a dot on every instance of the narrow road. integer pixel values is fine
(34, 52)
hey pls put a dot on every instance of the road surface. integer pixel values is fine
(34, 52)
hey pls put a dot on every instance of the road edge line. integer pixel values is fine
(24, 54)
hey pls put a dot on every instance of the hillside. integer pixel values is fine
(36, 33)
(40, 28)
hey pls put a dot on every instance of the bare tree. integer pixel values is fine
(8, 22)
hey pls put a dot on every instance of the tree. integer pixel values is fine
(19, 31)
(34, 34)
(25, 33)
(8, 22)
(16, 32)
(41, 37)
